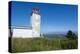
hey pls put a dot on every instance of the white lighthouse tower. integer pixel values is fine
(35, 22)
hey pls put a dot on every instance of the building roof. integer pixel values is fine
(20, 27)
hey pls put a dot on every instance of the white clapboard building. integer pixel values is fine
(28, 32)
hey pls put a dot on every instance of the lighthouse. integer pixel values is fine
(32, 31)
(35, 22)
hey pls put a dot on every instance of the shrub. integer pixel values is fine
(69, 44)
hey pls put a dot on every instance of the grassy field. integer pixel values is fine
(41, 44)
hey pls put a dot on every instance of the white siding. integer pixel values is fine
(23, 33)
(35, 20)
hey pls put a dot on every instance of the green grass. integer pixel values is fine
(41, 44)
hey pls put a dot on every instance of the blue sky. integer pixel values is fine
(54, 17)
